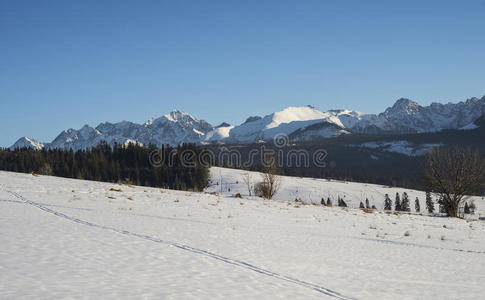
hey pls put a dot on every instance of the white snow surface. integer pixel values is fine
(470, 126)
(66, 238)
(218, 133)
(403, 147)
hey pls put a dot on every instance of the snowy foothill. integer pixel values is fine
(66, 238)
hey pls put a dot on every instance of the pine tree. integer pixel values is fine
(329, 202)
(322, 202)
(387, 203)
(466, 210)
(397, 204)
(417, 206)
(429, 203)
(361, 206)
(367, 203)
(405, 202)
(341, 202)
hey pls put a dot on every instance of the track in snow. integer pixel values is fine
(417, 245)
(239, 263)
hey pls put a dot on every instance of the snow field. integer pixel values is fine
(64, 238)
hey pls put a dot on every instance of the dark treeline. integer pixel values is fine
(128, 164)
(342, 163)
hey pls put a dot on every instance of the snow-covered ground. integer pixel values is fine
(63, 238)
(403, 147)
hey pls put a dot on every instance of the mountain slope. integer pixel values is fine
(291, 121)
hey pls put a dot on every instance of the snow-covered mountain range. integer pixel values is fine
(299, 123)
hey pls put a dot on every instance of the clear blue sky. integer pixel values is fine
(67, 63)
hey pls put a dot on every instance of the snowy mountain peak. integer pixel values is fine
(405, 105)
(285, 121)
(292, 113)
(76, 139)
(474, 100)
(252, 119)
(184, 120)
(177, 115)
(25, 142)
(223, 124)
(87, 130)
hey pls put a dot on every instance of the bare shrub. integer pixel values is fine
(270, 183)
(262, 189)
(453, 174)
(246, 177)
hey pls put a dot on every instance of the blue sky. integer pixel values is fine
(67, 63)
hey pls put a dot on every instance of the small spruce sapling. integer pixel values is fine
(397, 204)
(341, 202)
(405, 202)
(429, 203)
(387, 203)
